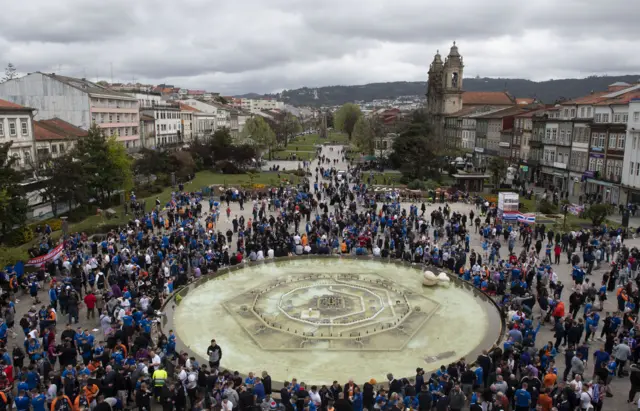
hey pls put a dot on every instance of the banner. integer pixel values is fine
(518, 216)
(51, 255)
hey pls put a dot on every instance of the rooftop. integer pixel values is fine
(56, 129)
(486, 98)
(9, 106)
(87, 86)
(509, 111)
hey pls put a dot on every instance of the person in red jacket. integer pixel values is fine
(90, 301)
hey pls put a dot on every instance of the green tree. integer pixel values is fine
(597, 213)
(13, 204)
(290, 126)
(65, 182)
(106, 162)
(121, 163)
(346, 118)
(365, 133)
(258, 130)
(414, 151)
(222, 137)
(497, 168)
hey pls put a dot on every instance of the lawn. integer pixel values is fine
(311, 139)
(202, 179)
(287, 155)
(384, 178)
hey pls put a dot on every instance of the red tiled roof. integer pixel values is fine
(186, 107)
(531, 113)
(623, 99)
(510, 111)
(590, 99)
(486, 98)
(7, 105)
(56, 129)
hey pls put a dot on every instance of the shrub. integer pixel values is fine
(547, 207)
(20, 236)
(10, 256)
(416, 185)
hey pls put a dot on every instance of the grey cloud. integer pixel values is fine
(267, 45)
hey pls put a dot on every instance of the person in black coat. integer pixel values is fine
(266, 382)
(367, 394)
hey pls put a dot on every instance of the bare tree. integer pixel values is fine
(10, 73)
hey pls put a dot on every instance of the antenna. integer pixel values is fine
(111, 64)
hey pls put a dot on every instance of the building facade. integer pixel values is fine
(167, 123)
(55, 137)
(444, 89)
(16, 125)
(630, 182)
(77, 101)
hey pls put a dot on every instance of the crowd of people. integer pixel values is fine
(117, 283)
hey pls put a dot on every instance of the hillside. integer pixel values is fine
(546, 91)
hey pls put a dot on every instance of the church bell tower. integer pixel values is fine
(452, 81)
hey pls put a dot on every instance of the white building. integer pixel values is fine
(167, 123)
(16, 125)
(76, 101)
(254, 106)
(631, 165)
(203, 125)
(146, 99)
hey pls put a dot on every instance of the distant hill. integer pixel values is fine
(546, 91)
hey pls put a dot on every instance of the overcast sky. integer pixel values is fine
(245, 46)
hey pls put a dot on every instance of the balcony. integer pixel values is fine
(114, 110)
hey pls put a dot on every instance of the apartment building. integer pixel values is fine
(630, 182)
(557, 150)
(186, 120)
(16, 125)
(499, 127)
(147, 131)
(256, 105)
(168, 126)
(457, 129)
(77, 101)
(203, 125)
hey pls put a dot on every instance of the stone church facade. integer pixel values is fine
(444, 90)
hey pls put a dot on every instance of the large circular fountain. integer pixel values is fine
(321, 319)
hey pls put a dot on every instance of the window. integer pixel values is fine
(605, 118)
(1, 128)
(117, 118)
(636, 116)
(560, 158)
(621, 141)
(616, 118)
(625, 118)
(126, 131)
(592, 164)
(609, 168)
(589, 112)
(635, 141)
(110, 118)
(582, 112)
(599, 164)
(568, 136)
(554, 134)
(598, 118)
(54, 149)
(573, 112)
(24, 127)
(601, 138)
(12, 128)
(561, 136)
(612, 141)
(566, 112)
(94, 118)
(631, 168)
